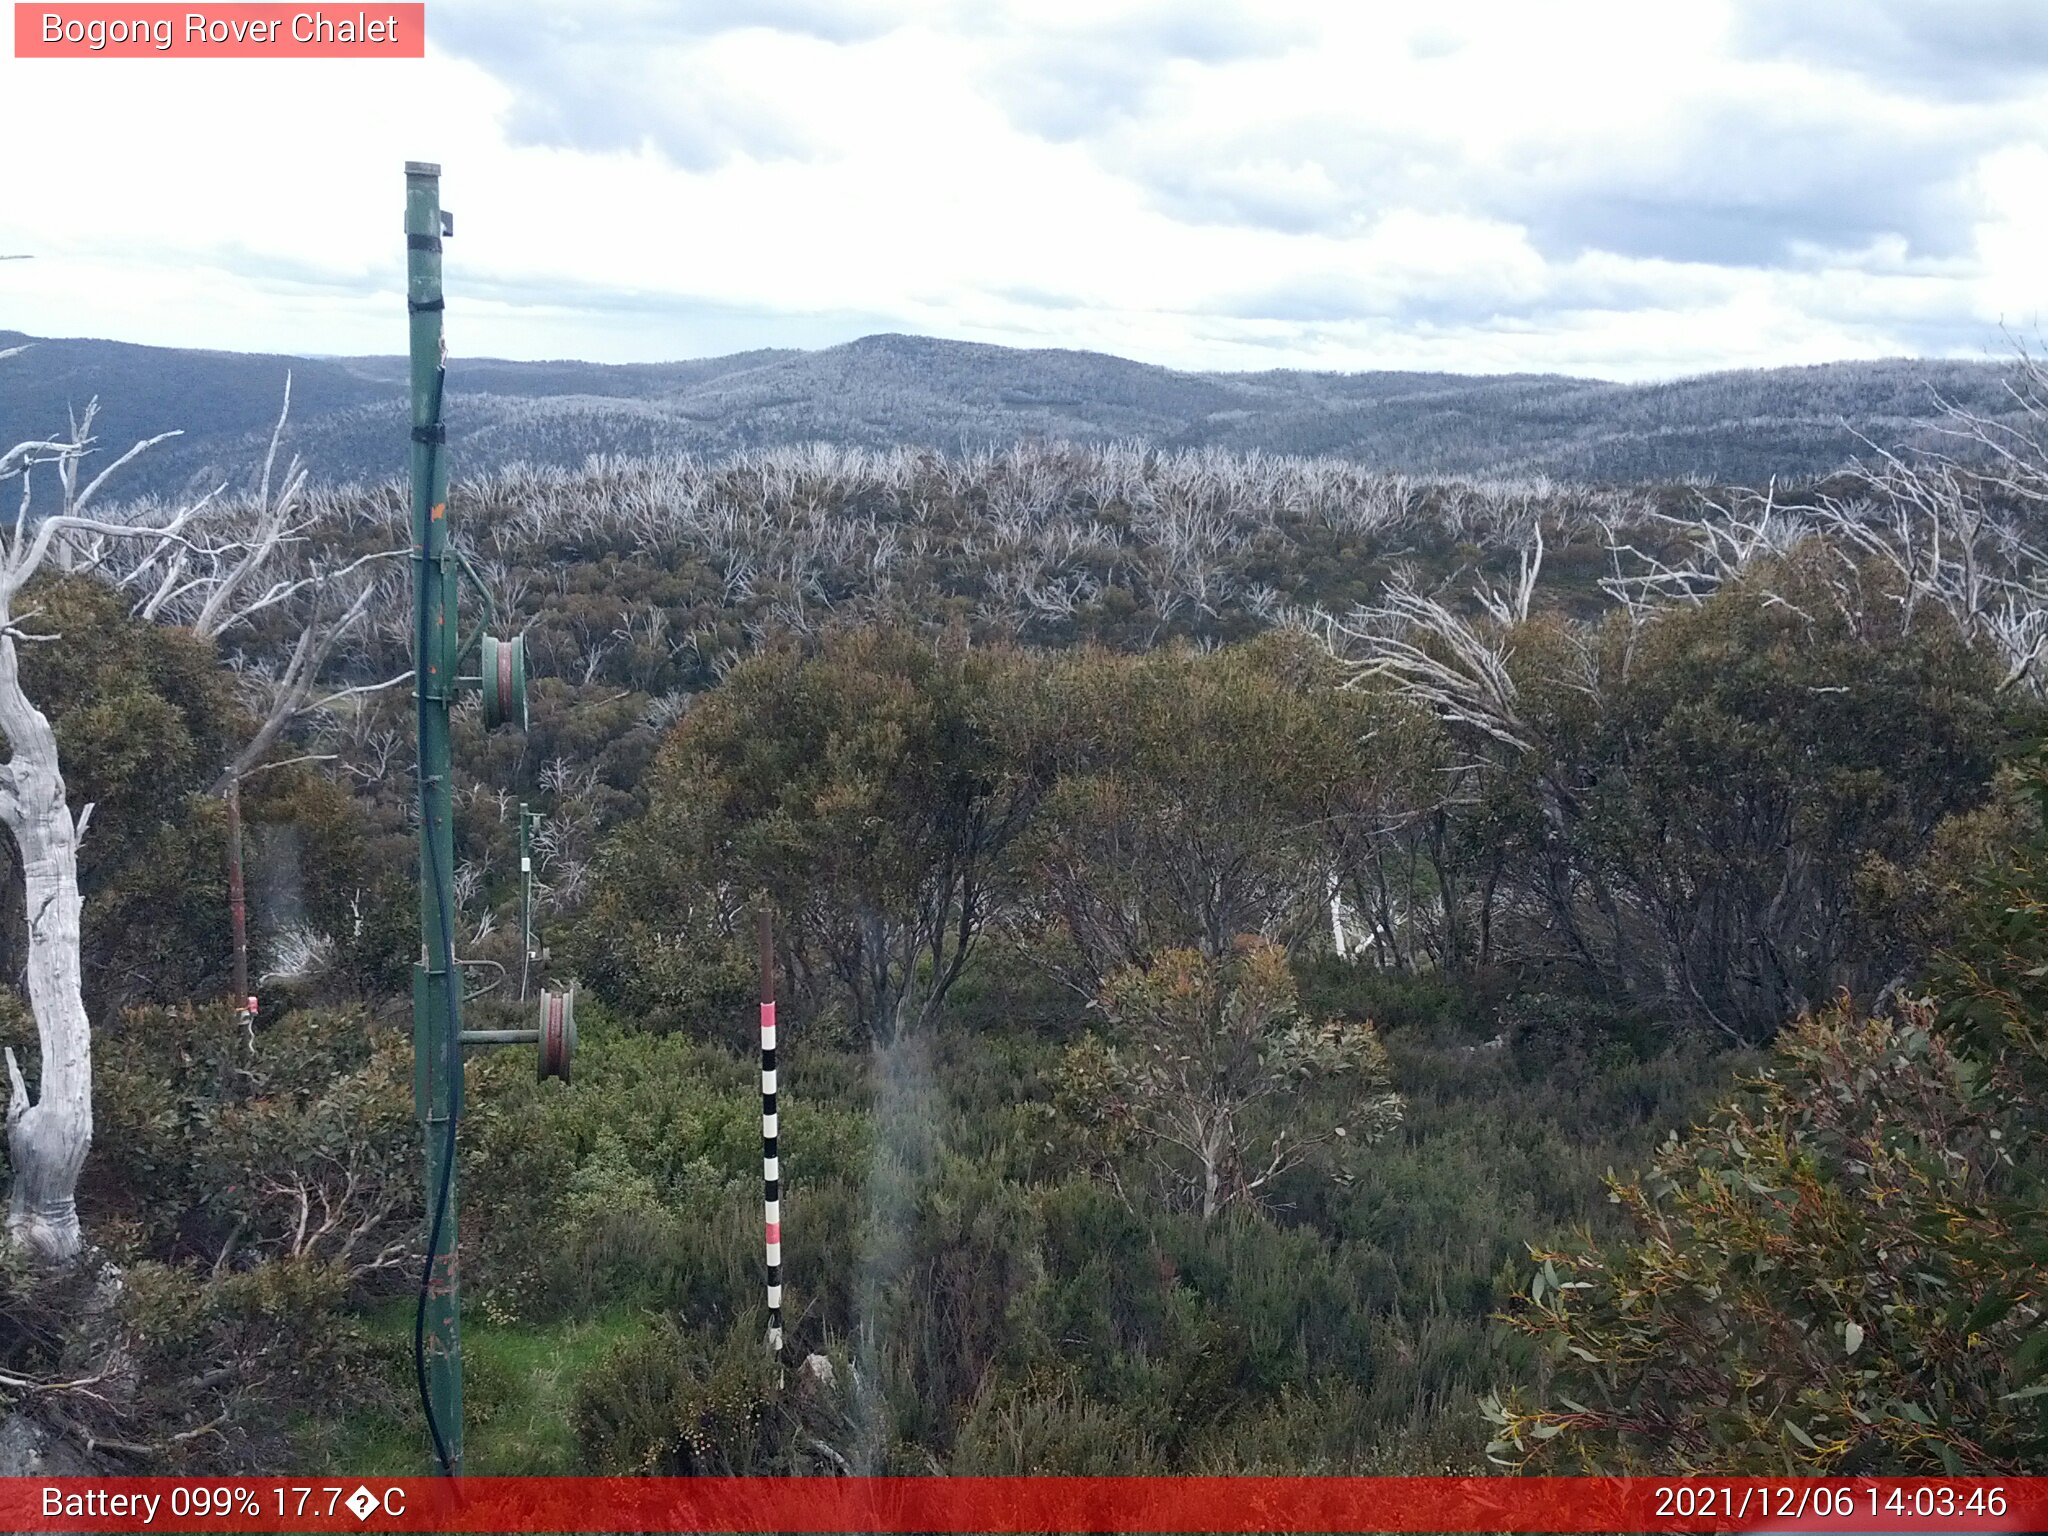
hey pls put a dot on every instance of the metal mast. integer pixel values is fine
(439, 652)
(437, 986)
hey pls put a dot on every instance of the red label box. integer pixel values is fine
(258, 30)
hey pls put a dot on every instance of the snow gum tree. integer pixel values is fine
(48, 1136)
(204, 565)
(1214, 1068)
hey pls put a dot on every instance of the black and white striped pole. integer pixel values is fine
(771, 1161)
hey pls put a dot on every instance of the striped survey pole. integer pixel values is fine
(771, 1161)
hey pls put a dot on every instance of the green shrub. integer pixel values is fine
(1834, 1274)
(1841, 1270)
(645, 1173)
(674, 1403)
(1055, 1431)
(221, 1368)
(228, 1145)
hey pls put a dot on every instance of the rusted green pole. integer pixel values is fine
(437, 987)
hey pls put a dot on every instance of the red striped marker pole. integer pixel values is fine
(771, 1161)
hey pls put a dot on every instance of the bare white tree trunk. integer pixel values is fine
(47, 1139)
(188, 570)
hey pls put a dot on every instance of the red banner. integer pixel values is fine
(1026, 1504)
(220, 31)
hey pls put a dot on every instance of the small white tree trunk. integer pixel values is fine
(47, 1139)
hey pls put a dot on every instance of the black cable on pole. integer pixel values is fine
(422, 639)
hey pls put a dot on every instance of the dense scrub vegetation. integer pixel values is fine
(1843, 1266)
(1233, 910)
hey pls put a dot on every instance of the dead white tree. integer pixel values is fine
(1951, 528)
(191, 566)
(47, 1138)
(240, 561)
(1456, 666)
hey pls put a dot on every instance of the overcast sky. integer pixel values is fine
(1632, 190)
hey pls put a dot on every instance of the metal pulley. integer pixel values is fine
(554, 1041)
(557, 1044)
(503, 681)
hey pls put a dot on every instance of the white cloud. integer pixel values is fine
(1593, 186)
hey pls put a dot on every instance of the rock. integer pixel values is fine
(819, 1369)
(30, 1449)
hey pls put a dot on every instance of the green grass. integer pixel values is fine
(519, 1382)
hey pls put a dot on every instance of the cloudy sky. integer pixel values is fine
(1628, 190)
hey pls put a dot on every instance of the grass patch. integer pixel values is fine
(519, 1382)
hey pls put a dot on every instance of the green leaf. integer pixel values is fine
(2028, 1360)
(1991, 1311)
(1800, 1435)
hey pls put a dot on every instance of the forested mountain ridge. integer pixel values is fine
(894, 390)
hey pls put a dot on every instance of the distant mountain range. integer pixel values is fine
(348, 414)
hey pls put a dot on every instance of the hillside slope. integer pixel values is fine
(888, 390)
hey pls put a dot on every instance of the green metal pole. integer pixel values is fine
(437, 988)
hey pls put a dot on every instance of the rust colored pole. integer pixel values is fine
(238, 905)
